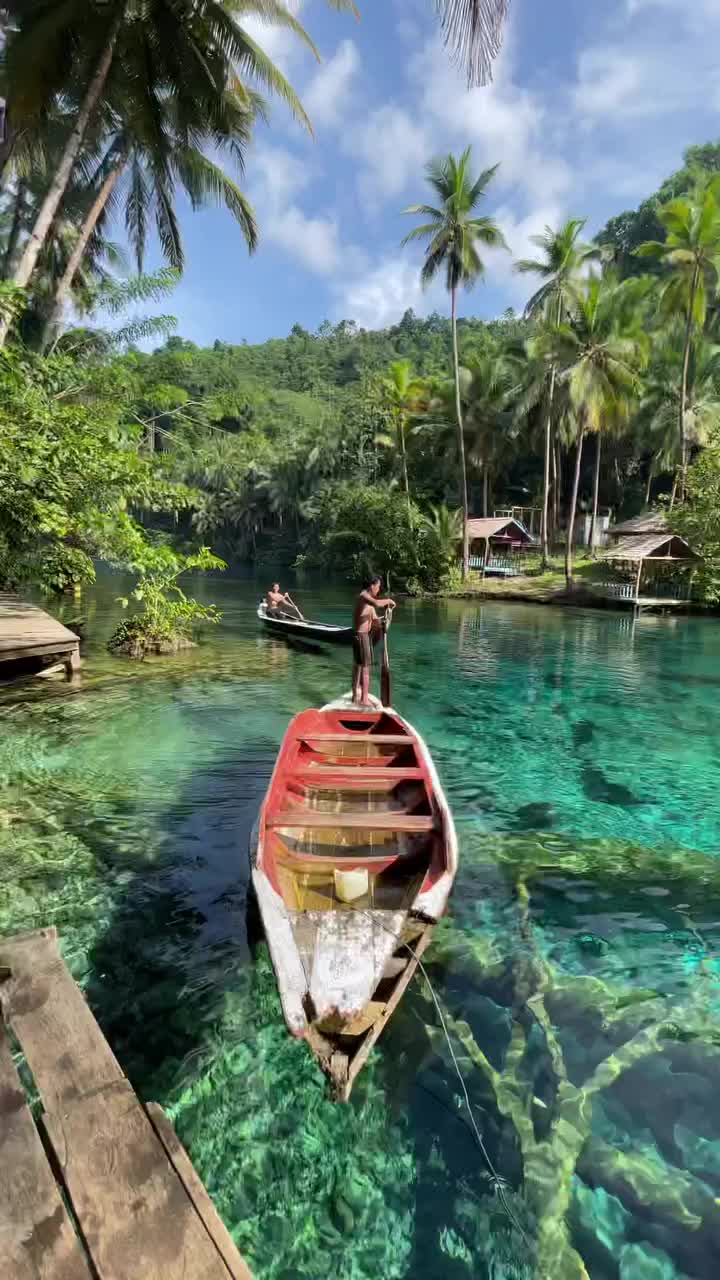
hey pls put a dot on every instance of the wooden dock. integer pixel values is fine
(27, 632)
(96, 1186)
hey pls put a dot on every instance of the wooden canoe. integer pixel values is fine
(303, 629)
(354, 857)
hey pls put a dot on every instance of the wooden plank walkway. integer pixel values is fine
(108, 1193)
(26, 631)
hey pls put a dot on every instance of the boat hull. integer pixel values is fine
(293, 628)
(354, 857)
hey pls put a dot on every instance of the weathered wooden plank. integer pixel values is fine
(198, 1194)
(327, 775)
(37, 1238)
(370, 820)
(63, 1044)
(15, 654)
(27, 629)
(383, 739)
(132, 1208)
(360, 1058)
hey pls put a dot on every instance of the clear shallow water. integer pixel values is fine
(581, 756)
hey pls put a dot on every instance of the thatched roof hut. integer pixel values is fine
(647, 522)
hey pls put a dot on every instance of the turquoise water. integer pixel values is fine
(576, 971)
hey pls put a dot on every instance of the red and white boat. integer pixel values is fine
(355, 854)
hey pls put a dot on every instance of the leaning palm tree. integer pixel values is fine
(192, 46)
(691, 255)
(473, 30)
(598, 349)
(563, 258)
(151, 153)
(454, 231)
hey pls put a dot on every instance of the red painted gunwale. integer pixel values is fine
(298, 760)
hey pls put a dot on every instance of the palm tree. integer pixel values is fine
(598, 350)
(454, 232)
(444, 527)
(192, 46)
(656, 419)
(691, 255)
(491, 424)
(158, 153)
(563, 257)
(402, 396)
(473, 29)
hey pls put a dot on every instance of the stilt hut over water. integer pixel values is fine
(496, 544)
(651, 569)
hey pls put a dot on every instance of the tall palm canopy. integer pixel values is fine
(454, 230)
(473, 31)
(691, 257)
(563, 256)
(453, 233)
(598, 350)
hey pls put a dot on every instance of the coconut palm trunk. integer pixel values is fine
(683, 389)
(573, 510)
(403, 455)
(65, 284)
(58, 186)
(648, 487)
(15, 228)
(546, 477)
(596, 490)
(461, 437)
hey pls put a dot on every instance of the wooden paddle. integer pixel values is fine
(385, 695)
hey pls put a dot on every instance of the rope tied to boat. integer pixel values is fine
(497, 1180)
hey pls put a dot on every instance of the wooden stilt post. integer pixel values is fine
(637, 584)
(72, 664)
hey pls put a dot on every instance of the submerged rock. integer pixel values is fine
(598, 787)
(643, 1262)
(699, 1154)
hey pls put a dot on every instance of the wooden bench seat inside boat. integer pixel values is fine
(328, 774)
(364, 820)
(382, 739)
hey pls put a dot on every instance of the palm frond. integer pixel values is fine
(473, 31)
(202, 178)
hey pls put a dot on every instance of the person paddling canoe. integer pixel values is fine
(366, 631)
(278, 601)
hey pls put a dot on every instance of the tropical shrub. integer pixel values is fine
(166, 618)
(698, 518)
(70, 471)
(375, 528)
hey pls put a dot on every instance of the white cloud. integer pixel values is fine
(392, 149)
(664, 64)
(503, 121)
(326, 97)
(313, 240)
(610, 82)
(380, 297)
(694, 12)
(281, 45)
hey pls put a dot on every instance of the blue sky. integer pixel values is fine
(591, 106)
